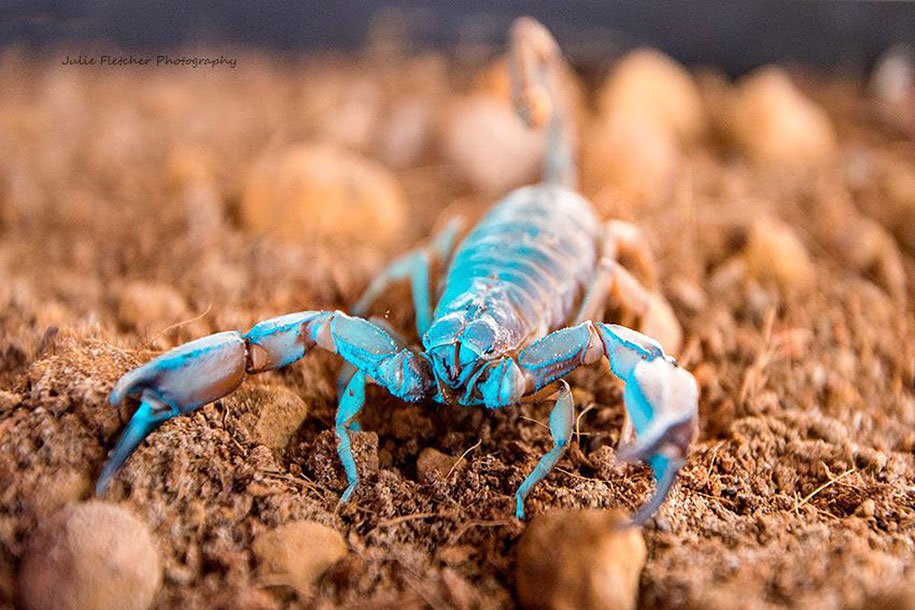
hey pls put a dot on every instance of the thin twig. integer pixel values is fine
(590, 407)
(531, 419)
(149, 344)
(832, 481)
(578, 476)
(413, 517)
(461, 458)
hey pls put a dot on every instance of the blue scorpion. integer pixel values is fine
(539, 261)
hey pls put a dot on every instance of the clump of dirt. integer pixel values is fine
(121, 235)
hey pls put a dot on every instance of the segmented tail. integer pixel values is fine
(536, 71)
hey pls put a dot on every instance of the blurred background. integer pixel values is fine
(736, 36)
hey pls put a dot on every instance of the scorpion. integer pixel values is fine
(514, 315)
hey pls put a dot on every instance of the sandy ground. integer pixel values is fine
(124, 231)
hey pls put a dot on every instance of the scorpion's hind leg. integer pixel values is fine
(612, 279)
(561, 418)
(657, 318)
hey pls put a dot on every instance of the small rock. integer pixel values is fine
(9, 401)
(866, 509)
(649, 86)
(489, 144)
(774, 124)
(322, 193)
(275, 414)
(433, 463)
(579, 560)
(893, 84)
(90, 555)
(297, 554)
(774, 252)
(634, 157)
(899, 597)
(405, 133)
(145, 304)
(898, 183)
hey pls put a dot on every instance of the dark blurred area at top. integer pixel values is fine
(736, 36)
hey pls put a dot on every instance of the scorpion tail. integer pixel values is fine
(536, 71)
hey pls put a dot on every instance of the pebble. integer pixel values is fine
(90, 555)
(406, 131)
(635, 158)
(322, 193)
(774, 124)
(579, 559)
(649, 86)
(146, 304)
(489, 145)
(275, 414)
(433, 463)
(298, 554)
(774, 252)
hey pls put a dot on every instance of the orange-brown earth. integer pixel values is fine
(136, 214)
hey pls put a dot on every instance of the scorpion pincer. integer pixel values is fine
(515, 313)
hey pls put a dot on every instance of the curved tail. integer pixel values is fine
(536, 71)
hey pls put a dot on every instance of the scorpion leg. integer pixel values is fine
(347, 370)
(610, 278)
(561, 418)
(620, 237)
(660, 397)
(351, 403)
(205, 370)
(657, 317)
(415, 266)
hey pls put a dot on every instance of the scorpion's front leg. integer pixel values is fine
(561, 418)
(207, 369)
(660, 397)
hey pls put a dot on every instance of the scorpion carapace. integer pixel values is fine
(516, 313)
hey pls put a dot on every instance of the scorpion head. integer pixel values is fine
(460, 351)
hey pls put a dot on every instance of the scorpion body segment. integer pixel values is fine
(515, 314)
(525, 264)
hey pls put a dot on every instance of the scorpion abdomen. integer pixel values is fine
(536, 250)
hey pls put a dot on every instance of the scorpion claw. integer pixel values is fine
(147, 418)
(665, 478)
(665, 450)
(176, 382)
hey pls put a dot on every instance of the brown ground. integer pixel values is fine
(119, 196)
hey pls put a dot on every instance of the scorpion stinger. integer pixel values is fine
(537, 65)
